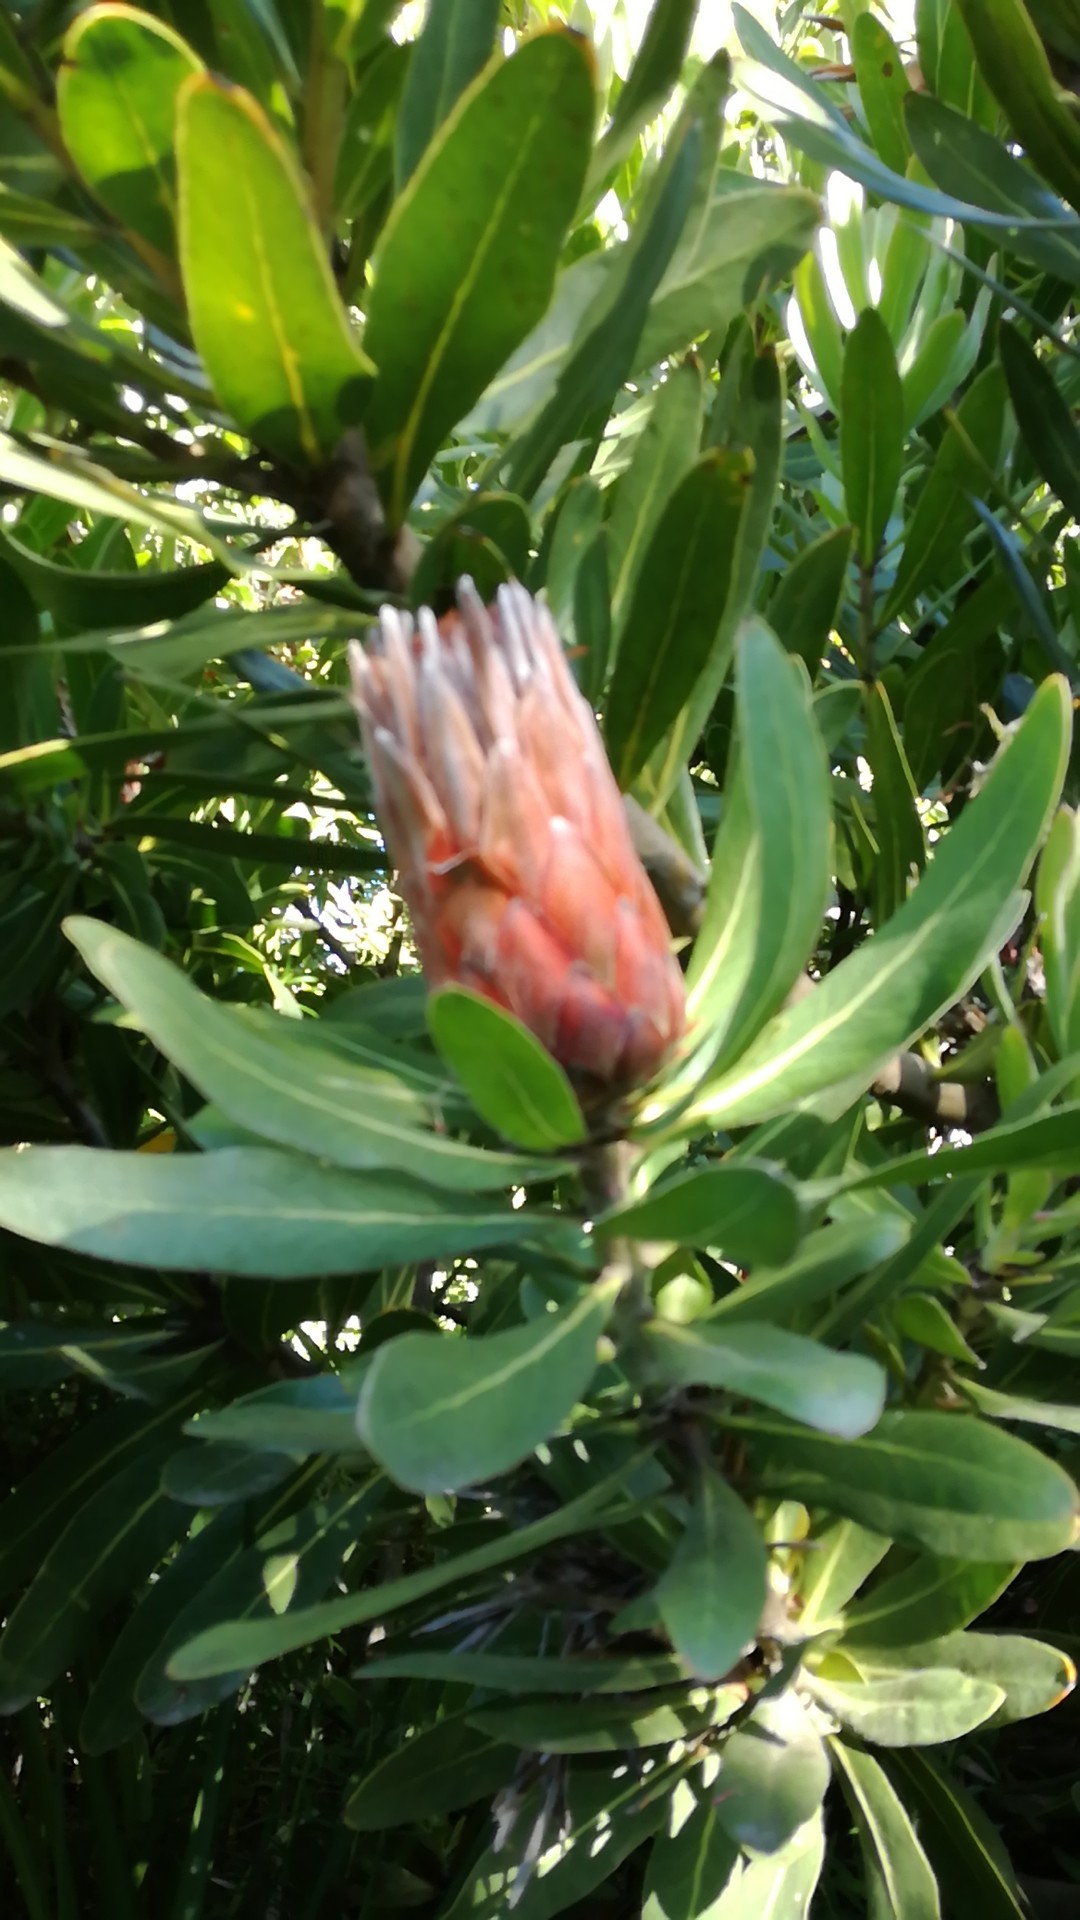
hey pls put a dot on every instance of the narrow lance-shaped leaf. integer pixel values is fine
(665, 451)
(901, 1880)
(117, 90)
(871, 430)
(243, 1210)
(758, 426)
(880, 998)
(265, 313)
(947, 1482)
(1014, 64)
(883, 85)
(675, 610)
(603, 354)
(1043, 417)
(276, 1085)
(233, 1644)
(770, 870)
(467, 262)
(456, 43)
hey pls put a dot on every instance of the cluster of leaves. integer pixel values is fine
(382, 1445)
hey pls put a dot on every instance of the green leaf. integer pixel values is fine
(939, 366)
(290, 1563)
(901, 848)
(79, 599)
(675, 608)
(964, 1850)
(456, 43)
(511, 1079)
(116, 93)
(217, 1473)
(447, 1413)
(943, 515)
(1013, 62)
(883, 996)
(111, 1715)
(839, 1557)
(1031, 1676)
(690, 1866)
(871, 431)
(965, 160)
(771, 869)
(841, 1393)
(750, 238)
(1012, 1406)
(1048, 1141)
(801, 110)
(437, 1770)
(223, 1648)
(606, 1726)
(927, 1598)
(54, 1492)
(648, 85)
(758, 425)
(63, 474)
(532, 1673)
(606, 1818)
(923, 1318)
(775, 1774)
(488, 538)
(277, 1086)
(527, 379)
(942, 1481)
(883, 86)
(751, 1213)
(243, 1210)
(109, 1545)
(828, 1260)
(466, 264)
(1045, 423)
(315, 1415)
(901, 1882)
(663, 455)
(803, 610)
(780, 1884)
(909, 1709)
(605, 345)
(265, 313)
(712, 1595)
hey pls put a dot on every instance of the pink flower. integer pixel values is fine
(510, 835)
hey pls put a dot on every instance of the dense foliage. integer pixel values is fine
(422, 1495)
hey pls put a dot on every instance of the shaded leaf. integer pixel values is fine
(751, 1213)
(712, 1595)
(773, 1775)
(438, 1769)
(942, 1481)
(444, 1414)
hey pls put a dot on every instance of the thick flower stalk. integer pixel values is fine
(510, 835)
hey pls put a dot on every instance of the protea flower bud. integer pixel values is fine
(510, 835)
